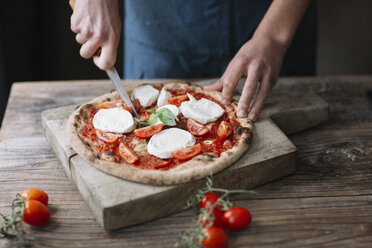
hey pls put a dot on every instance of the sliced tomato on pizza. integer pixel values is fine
(177, 100)
(195, 128)
(188, 152)
(127, 153)
(148, 132)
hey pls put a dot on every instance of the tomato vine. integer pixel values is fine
(195, 237)
(13, 220)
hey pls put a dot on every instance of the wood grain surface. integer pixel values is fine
(326, 203)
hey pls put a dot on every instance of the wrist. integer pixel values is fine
(277, 43)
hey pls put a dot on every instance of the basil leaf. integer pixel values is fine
(152, 120)
(151, 111)
(166, 116)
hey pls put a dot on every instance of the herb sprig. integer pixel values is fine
(164, 115)
(13, 220)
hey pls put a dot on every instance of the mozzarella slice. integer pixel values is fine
(203, 110)
(169, 140)
(163, 97)
(146, 95)
(115, 120)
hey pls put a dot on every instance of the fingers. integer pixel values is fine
(97, 26)
(107, 58)
(261, 96)
(90, 45)
(216, 86)
(89, 48)
(81, 39)
(229, 81)
(254, 74)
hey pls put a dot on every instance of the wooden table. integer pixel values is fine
(326, 203)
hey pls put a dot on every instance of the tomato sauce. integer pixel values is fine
(210, 142)
(178, 92)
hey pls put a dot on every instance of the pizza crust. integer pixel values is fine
(198, 167)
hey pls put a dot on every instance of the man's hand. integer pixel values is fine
(260, 61)
(97, 25)
(260, 58)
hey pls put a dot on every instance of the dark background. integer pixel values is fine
(36, 43)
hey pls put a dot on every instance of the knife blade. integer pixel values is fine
(114, 76)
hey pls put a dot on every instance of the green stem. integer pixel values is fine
(19, 235)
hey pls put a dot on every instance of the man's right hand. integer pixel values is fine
(97, 25)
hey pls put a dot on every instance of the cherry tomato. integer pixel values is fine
(111, 104)
(212, 145)
(36, 194)
(148, 132)
(160, 163)
(224, 129)
(127, 154)
(217, 219)
(195, 128)
(228, 144)
(115, 104)
(215, 237)
(188, 152)
(208, 200)
(237, 218)
(107, 136)
(177, 100)
(129, 109)
(36, 213)
(137, 106)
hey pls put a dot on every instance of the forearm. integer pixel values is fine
(281, 21)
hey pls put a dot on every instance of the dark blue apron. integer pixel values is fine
(198, 38)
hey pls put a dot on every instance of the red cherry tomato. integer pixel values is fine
(177, 100)
(188, 152)
(208, 200)
(115, 104)
(127, 154)
(228, 144)
(111, 104)
(224, 129)
(129, 109)
(138, 107)
(237, 218)
(195, 128)
(215, 237)
(148, 132)
(107, 136)
(36, 194)
(217, 219)
(36, 213)
(160, 163)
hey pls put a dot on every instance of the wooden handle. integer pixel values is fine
(72, 5)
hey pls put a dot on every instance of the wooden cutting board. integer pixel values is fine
(118, 203)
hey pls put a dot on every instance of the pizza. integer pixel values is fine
(183, 133)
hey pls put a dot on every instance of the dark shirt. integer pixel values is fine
(198, 38)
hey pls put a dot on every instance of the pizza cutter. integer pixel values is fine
(115, 79)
